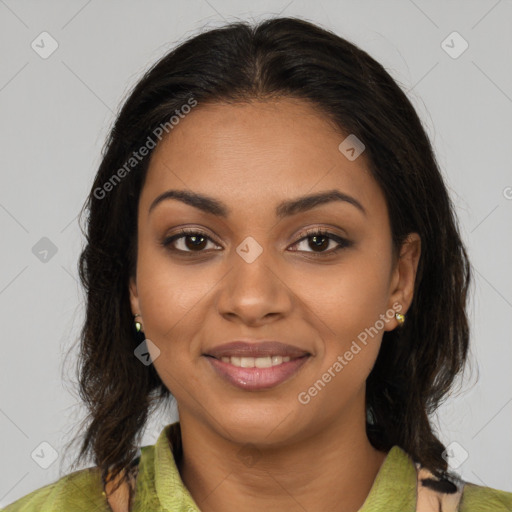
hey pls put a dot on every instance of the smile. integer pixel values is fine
(256, 373)
(256, 362)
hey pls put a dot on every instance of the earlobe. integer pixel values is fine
(408, 264)
(404, 278)
(412, 252)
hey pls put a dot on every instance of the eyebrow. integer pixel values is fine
(285, 209)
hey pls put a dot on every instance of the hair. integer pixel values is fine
(277, 58)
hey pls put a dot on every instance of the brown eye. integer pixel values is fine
(196, 241)
(187, 241)
(319, 241)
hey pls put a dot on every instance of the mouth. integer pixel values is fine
(256, 365)
(257, 362)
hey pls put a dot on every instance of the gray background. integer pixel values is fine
(55, 114)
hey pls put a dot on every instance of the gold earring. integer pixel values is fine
(138, 325)
(400, 319)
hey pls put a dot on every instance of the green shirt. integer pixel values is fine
(159, 488)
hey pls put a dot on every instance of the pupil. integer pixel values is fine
(195, 243)
(316, 241)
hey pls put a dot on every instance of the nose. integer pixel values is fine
(254, 291)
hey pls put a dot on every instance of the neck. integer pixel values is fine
(332, 468)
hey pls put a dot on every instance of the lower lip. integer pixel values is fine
(252, 379)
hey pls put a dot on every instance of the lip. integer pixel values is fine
(241, 348)
(252, 379)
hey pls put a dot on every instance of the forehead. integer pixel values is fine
(253, 153)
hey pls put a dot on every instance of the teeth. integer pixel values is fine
(256, 362)
(263, 362)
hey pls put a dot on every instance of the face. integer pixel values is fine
(256, 264)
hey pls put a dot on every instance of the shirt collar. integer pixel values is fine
(170, 489)
(394, 487)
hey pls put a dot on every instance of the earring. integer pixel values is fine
(400, 319)
(138, 325)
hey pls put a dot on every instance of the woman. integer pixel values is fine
(271, 243)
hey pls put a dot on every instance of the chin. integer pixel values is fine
(258, 425)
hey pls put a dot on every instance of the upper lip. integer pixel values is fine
(255, 349)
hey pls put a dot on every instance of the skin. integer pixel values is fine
(252, 156)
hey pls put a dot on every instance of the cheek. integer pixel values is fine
(170, 302)
(348, 304)
(169, 294)
(352, 294)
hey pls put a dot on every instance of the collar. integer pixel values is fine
(394, 487)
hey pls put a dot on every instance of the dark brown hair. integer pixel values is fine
(279, 57)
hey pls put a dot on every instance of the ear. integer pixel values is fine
(404, 276)
(134, 297)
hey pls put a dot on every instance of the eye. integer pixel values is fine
(320, 240)
(190, 240)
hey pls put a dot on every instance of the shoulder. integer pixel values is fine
(477, 498)
(455, 494)
(32, 501)
(80, 490)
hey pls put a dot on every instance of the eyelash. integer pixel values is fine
(342, 242)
